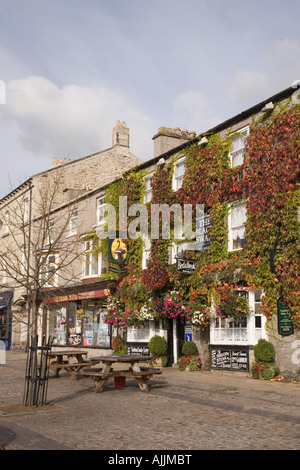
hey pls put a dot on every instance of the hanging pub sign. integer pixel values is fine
(285, 324)
(202, 228)
(185, 266)
(117, 253)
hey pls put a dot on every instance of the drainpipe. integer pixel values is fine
(28, 265)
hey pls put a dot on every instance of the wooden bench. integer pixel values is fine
(142, 377)
(99, 378)
(72, 368)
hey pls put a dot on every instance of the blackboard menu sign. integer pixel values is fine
(229, 358)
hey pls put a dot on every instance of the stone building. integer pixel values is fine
(226, 342)
(42, 225)
(216, 169)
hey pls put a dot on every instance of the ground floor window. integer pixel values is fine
(145, 333)
(137, 338)
(248, 330)
(227, 330)
(79, 323)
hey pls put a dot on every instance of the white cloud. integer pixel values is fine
(280, 67)
(193, 111)
(71, 121)
(247, 84)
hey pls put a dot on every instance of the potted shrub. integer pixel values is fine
(158, 348)
(190, 360)
(264, 366)
(189, 348)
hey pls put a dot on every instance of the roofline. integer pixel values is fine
(71, 162)
(238, 117)
(18, 188)
(253, 109)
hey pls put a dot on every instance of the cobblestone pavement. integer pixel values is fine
(183, 410)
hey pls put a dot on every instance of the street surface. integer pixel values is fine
(183, 411)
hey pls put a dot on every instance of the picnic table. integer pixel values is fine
(72, 361)
(141, 374)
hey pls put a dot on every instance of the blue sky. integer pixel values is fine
(72, 69)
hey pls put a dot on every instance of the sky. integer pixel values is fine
(70, 69)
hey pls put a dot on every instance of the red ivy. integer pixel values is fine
(156, 275)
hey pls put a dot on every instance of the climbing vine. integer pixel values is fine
(268, 182)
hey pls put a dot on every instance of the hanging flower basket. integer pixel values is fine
(234, 305)
(156, 275)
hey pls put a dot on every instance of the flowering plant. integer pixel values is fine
(198, 312)
(233, 305)
(192, 363)
(201, 319)
(265, 370)
(119, 316)
(147, 310)
(155, 275)
(173, 305)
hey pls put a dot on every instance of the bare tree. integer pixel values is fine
(40, 243)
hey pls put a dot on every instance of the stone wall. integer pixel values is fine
(287, 351)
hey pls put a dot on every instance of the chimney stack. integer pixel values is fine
(169, 138)
(120, 136)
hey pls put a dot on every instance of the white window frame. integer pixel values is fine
(176, 178)
(146, 252)
(144, 334)
(45, 270)
(238, 336)
(101, 210)
(231, 228)
(232, 153)
(74, 222)
(90, 262)
(148, 191)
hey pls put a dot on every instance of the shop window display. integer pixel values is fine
(79, 324)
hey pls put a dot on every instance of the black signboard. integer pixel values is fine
(202, 229)
(138, 349)
(229, 358)
(185, 266)
(285, 324)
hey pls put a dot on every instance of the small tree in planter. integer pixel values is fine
(264, 365)
(158, 348)
(190, 359)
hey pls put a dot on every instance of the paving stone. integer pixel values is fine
(183, 410)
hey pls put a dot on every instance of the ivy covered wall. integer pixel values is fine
(268, 182)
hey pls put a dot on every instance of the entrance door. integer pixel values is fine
(180, 324)
(168, 325)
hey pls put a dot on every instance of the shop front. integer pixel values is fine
(137, 338)
(6, 318)
(77, 319)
